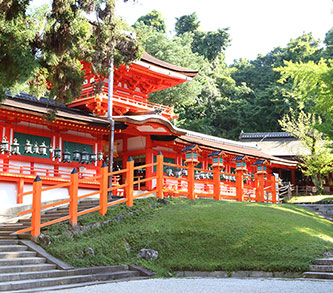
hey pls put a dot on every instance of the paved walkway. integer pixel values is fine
(209, 285)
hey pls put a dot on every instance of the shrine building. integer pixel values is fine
(79, 136)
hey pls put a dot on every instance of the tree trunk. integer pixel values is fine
(318, 183)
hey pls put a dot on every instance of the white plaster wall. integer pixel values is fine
(19, 163)
(45, 166)
(119, 145)
(8, 193)
(136, 143)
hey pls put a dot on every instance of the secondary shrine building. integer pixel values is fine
(79, 137)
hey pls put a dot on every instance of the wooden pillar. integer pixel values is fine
(293, 177)
(73, 197)
(159, 174)
(20, 188)
(274, 197)
(239, 185)
(36, 207)
(103, 198)
(149, 160)
(129, 181)
(256, 182)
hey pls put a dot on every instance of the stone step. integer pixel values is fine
(12, 248)
(8, 242)
(324, 261)
(10, 227)
(16, 254)
(8, 237)
(28, 275)
(26, 268)
(318, 275)
(39, 283)
(22, 261)
(6, 232)
(79, 285)
(321, 268)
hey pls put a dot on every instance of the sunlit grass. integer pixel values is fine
(204, 235)
(310, 198)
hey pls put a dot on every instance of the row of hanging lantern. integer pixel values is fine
(83, 157)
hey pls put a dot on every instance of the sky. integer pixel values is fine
(255, 26)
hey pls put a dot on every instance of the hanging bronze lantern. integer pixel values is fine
(35, 148)
(57, 153)
(66, 156)
(28, 147)
(15, 147)
(42, 149)
(77, 156)
(93, 157)
(4, 146)
(85, 157)
(100, 156)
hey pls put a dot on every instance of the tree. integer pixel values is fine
(49, 45)
(319, 160)
(187, 23)
(313, 83)
(211, 44)
(154, 19)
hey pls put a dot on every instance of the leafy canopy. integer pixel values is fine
(44, 49)
(317, 160)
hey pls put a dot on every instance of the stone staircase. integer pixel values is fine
(26, 267)
(55, 213)
(322, 269)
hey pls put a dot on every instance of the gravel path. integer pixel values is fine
(209, 285)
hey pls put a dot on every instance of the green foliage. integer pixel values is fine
(49, 45)
(200, 235)
(187, 24)
(313, 83)
(211, 44)
(153, 19)
(317, 158)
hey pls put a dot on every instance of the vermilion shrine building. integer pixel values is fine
(33, 146)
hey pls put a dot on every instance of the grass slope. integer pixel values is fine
(310, 199)
(201, 235)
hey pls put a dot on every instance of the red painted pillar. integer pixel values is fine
(239, 185)
(73, 197)
(149, 160)
(36, 207)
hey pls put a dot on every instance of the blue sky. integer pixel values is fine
(256, 26)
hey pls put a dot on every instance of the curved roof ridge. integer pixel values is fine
(157, 62)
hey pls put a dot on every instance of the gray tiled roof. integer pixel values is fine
(264, 134)
(42, 100)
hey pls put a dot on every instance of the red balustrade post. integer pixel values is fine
(159, 174)
(274, 197)
(73, 197)
(129, 181)
(190, 177)
(217, 182)
(239, 185)
(103, 187)
(256, 182)
(36, 206)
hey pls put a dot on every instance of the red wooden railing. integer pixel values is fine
(26, 174)
(186, 186)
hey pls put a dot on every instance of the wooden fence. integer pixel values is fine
(217, 185)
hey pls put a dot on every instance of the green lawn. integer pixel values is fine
(310, 198)
(199, 235)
